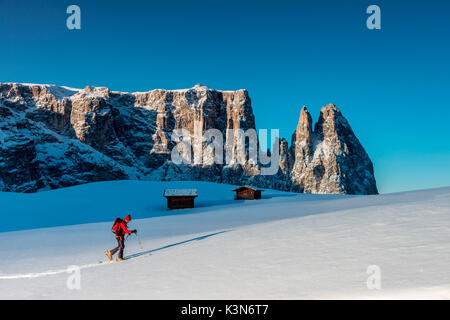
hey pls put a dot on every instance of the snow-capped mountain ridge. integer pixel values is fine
(52, 137)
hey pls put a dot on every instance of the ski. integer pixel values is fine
(111, 261)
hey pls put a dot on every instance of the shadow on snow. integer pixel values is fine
(174, 244)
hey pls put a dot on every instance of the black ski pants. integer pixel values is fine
(120, 247)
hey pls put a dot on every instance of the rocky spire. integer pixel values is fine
(301, 147)
(339, 163)
(286, 160)
(333, 128)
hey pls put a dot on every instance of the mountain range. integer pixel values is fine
(55, 136)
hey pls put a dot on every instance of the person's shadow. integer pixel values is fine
(173, 245)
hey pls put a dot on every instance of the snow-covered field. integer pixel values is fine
(284, 246)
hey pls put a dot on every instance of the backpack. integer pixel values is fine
(115, 228)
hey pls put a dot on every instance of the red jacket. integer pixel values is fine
(122, 229)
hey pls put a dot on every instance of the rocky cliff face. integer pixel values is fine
(52, 137)
(330, 159)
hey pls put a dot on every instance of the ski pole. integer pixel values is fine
(139, 240)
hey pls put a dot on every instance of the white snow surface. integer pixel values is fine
(60, 92)
(284, 246)
(180, 192)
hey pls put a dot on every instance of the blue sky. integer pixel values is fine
(392, 84)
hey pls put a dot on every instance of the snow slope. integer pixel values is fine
(284, 246)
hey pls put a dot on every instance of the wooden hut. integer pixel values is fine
(180, 198)
(247, 193)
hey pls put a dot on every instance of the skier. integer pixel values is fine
(120, 229)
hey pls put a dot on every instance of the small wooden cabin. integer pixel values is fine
(247, 193)
(180, 198)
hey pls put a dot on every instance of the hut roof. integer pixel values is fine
(180, 193)
(245, 187)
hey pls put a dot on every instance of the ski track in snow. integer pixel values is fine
(46, 273)
(52, 272)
